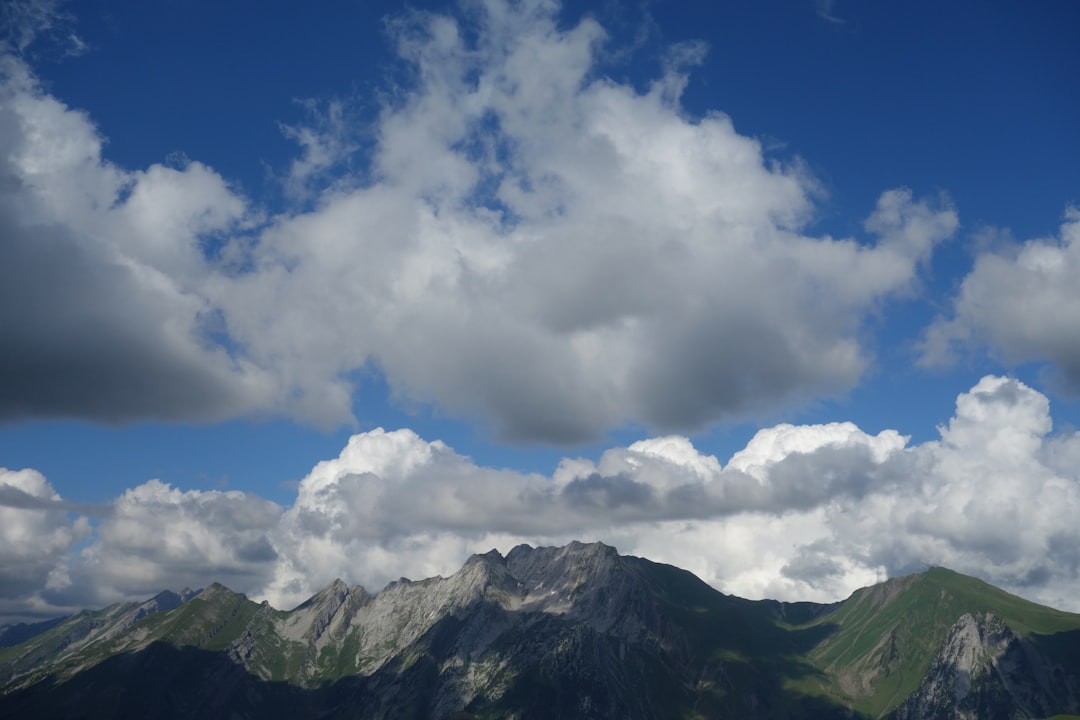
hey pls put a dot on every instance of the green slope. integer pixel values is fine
(885, 637)
(220, 618)
(754, 662)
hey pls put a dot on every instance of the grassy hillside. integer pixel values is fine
(756, 662)
(884, 638)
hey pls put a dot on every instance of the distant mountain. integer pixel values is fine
(46, 643)
(21, 632)
(571, 632)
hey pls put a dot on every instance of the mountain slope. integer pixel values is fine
(572, 632)
(53, 641)
(888, 635)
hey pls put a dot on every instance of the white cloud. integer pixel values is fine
(37, 532)
(328, 142)
(802, 512)
(809, 512)
(392, 490)
(100, 274)
(530, 244)
(770, 446)
(1020, 302)
(556, 253)
(156, 537)
(991, 498)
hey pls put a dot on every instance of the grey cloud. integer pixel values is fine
(813, 567)
(98, 320)
(806, 480)
(826, 10)
(606, 493)
(392, 490)
(83, 339)
(19, 499)
(257, 552)
(802, 512)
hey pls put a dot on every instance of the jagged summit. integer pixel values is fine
(559, 632)
(491, 556)
(335, 589)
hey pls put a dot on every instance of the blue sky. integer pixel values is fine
(577, 261)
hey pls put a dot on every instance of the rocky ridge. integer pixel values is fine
(572, 632)
(56, 641)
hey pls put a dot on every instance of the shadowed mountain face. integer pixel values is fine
(572, 632)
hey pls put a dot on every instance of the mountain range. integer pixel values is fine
(572, 632)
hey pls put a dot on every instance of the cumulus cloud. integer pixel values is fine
(801, 513)
(37, 534)
(156, 536)
(1020, 302)
(99, 272)
(529, 244)
(991, 498)
(394, 490)
(558, 253)
(152, 537)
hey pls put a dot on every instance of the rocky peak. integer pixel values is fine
(575, 632)
(331, 595)
(561, 567)
(492, 556)
(984, 671)
(214, 591)
(327, 613)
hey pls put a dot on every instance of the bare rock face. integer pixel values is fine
(987, 671)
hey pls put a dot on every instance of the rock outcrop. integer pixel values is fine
(988, 671)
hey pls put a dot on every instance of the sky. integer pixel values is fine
(779, 292)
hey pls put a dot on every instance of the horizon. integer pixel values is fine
(778, 293)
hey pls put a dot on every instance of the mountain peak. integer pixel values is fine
(335, 589)
(213, 589)
(491, 556)
(575, 631)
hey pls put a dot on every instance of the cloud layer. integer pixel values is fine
(529, 244)
(802, 512)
